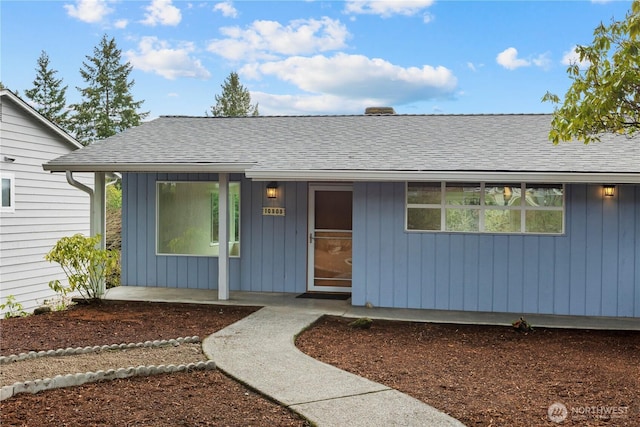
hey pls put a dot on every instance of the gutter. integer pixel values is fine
(449, 176)
(150, 167)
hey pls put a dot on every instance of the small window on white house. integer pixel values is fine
(187, 218)
(8, 192)
(486, 207)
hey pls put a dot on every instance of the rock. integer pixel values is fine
(42, 310)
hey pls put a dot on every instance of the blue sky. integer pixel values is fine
(314, 57)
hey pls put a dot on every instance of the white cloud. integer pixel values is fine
(508, 58)
(269, 39)
(303, 104)
(358, 79)
(121, 24)
(543, 61)
(387, 8)
(474, 67)
(227, 9)
(158, 57)
(90, 11)
(571, 57)
(162, 12)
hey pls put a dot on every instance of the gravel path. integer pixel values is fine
(50, 366)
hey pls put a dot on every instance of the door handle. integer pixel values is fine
(310, 238)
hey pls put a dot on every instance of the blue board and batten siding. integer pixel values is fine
(272, 249)
(593, 269)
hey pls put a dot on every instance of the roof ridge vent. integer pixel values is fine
(379, 111)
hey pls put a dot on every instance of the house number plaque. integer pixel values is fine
(273, 211)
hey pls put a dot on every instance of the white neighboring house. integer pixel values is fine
(38, 207)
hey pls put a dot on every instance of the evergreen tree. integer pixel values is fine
(48, 94)
(2, 86)
(235, 100)
(107, 106)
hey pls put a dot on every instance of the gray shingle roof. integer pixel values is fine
(410, 143)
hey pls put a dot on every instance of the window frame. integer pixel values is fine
(239, 214)
(12, 192)
(481, 207)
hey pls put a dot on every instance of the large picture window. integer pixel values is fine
(485, 207)
(187, 218)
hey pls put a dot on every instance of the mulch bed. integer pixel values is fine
(481, 375)
(195, 398)
(492, 375)
(114, 322)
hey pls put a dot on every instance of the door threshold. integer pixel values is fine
(325, 295)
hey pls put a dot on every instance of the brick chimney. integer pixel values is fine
(379, 111)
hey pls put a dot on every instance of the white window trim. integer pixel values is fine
(12, 192)
(523, 208)
(157, 215)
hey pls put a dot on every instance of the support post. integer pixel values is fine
(223, 237)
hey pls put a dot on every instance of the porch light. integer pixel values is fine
(609, 190)
(272, 190)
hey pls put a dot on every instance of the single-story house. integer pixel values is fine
(451, 212)
(38, 208)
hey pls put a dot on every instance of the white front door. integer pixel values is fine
(330, 220)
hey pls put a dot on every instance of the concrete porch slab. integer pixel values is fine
(344, 308)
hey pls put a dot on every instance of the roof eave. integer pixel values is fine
(450, 176)
(150, 167)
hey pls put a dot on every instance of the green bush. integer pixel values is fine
(114, 197)
(112, 276)
(361, 323)
(13, 307)
(85, 266)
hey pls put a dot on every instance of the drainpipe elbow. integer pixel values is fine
(72, 181)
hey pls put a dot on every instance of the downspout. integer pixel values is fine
(96, 206)
(72, 181)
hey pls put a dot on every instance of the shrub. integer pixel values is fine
(85, 266)
(13, 308)
(114, 197)
(361, 323)
(522, 325)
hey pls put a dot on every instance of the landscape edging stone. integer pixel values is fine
(70, 380)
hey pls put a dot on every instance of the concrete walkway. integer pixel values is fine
(259, 351)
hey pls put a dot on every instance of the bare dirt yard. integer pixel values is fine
(482, 375)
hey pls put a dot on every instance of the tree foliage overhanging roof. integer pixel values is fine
(604, 96)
